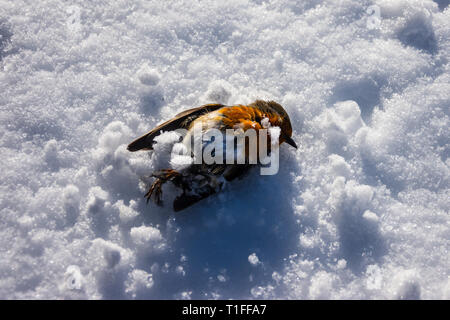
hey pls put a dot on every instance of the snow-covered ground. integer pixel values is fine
(359, 211)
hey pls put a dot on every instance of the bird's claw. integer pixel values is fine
(162, 177)
(156, 190)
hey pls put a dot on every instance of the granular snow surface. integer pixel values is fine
(359, 211)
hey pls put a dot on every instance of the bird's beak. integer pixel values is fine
(289, 141)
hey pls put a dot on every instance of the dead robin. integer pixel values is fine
(199, 180)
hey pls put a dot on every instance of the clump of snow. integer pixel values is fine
(253, 259)
(180, 157)
(219, 91)
(147, 238)
(163, 155)
(127, 213)
(265, 123)
(274, 133)
(114, 134)
(339, 167)
(180, 270)
(370, 216)
(361, 208)
(148, 76)
(221, 278)
(97, 201)
(138, 283)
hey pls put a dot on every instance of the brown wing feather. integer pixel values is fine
(181, 120)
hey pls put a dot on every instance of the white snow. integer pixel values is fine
(180, 157)
(147, 238)
(253, 259)
(359, 211)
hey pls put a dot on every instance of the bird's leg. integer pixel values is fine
(162, 176)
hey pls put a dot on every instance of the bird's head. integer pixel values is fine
(279, 118)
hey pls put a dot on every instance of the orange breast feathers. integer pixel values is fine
(239, 116)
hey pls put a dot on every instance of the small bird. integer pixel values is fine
(200, 180)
